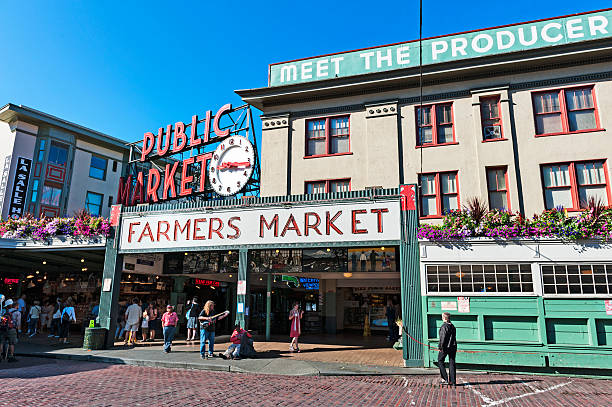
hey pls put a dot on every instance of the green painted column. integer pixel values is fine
(268, 304)
(241, 287)
(412, 314)
(111, 283)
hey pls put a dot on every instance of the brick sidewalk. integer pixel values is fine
(69, 383)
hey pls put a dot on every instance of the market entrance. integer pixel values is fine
(344, 293)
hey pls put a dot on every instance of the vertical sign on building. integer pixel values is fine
(20, 187)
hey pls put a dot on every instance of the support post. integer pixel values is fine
(241, 288)
(268, 305)
(412, 317)
(109, 298)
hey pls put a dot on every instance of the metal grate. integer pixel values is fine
(577, 279)
(479, 278)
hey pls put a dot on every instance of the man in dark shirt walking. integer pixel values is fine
(448, 346)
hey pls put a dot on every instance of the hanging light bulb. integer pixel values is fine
(82, 260)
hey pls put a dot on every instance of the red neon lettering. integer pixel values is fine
(123, 195)
(308, 226)
(329, 223)
(177, 226)
(206, 135)
(196, 229)
(356, 222)
(193, 137)
(186, 179)
(236, 229)
(147, 145)
(169, 181)
(221, 133)
(203, 159)
(146, 232)
(131, 231)
(153, 186)
(165, 232)
(379, 217)
(212, 229)
(160, 134)
(138, 196)
(262, 223)
(179, 133)
(291, 225)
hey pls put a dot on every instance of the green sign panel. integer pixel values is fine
(494, 41)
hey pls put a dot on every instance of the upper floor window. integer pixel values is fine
(97, 168)
(58, 154)
(490, 117)
(93, 203)
(327, 136)
(565, 111)
(435, 125)
(497, 185)
(41, 149)
(50, 195)
(439, 193)
(572, 185)
(332, 185)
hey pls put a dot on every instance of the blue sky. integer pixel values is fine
(124, 69)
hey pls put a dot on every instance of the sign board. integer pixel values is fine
(463, 304)
(576, 28)
(20, 187)
(448, 305)
(240, 307)
(608, 304)
(334, 222)
(210, 283)
(106, 286)
(114, 215)
(11, 281)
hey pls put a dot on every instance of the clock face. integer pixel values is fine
(231, 165)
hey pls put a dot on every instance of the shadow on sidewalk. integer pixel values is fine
(35, 368)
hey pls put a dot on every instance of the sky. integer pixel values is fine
(125, 68)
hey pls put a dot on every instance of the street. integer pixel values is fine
(51, 382)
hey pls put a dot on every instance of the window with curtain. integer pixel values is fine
(50, 195)
(490, 117)
(435, 124)
(565, 111)
(498, 189)
(439, 193)
(332, 185)
(327, 136)
(571, 185)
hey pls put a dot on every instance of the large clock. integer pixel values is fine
(231, 165)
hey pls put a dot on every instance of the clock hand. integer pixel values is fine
(230, 164)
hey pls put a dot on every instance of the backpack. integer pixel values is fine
(246, 347)
(65, 316)
(6, 322)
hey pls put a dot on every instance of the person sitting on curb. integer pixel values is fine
(233, 350)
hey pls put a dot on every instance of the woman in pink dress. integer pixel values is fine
(295, 315)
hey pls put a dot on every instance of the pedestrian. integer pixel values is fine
(68, 317)
(16, 315)
(448, 346)
(45, 316)
(208, 321)
(22, 306)
(363, 259)
(144, 326)
(56, 319)
(373, 257)
(391, 317)
(34, 317)
(295, 316)
(233, 350)
(192, 321)
(8, 333)
(169, 321)
(154, 321)
(133, 314)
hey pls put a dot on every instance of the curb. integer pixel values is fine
(210, 367)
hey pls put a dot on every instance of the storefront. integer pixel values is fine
(341, 257)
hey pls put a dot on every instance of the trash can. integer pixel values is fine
(94, 338)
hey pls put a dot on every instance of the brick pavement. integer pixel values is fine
(68, 383)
